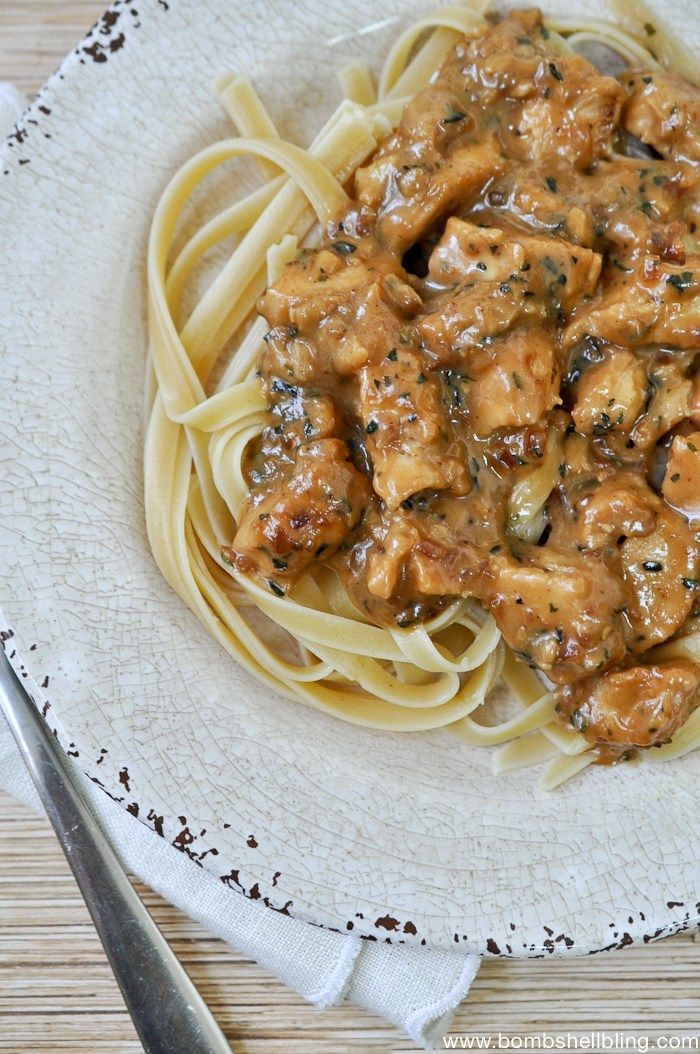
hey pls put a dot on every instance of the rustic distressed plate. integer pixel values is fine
(402, 837)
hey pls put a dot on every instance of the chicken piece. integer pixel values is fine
(559, 612)
(410, 196)
(314, 307)
(663, 110)
(308, 513)
(681, 485)
(417, 555)
(311, 308)
(511, 383)
(596, 515)
(314, 286)
(564, 274)
(640, 208)
(540, 264)
(469, 252)
(627, 203)
(434, 569)
(610, 394)
(302, 415)
(560, 106)
(408, 435)
(673, 399)
(660, 569)
(319, 417)
(503, 61)
(290, 359)
(503, 277)
(654, 302)
(425, 565)
(401, 295)
(431, 122)
(641, 707)
(300, 418)
(385, 560)
(574, 112)
(481, 312)
(570, 216)
(668, 241)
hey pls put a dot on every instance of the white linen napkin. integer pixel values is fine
(417, 989)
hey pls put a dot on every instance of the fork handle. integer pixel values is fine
(168, 1012)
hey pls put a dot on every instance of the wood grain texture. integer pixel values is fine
(36, 34)
(57, 993)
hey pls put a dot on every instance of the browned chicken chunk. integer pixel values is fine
(610, 394)
(513, 382)
(654, 302)
(470, 252)
(316, 309)
(400, 407)
(672, 399)
(573, 114)
(598, 514)
(681, 485)
(410, 194)
(407, 436)
(641, 707)
(500, 277)
(322, 501)
(663, 110)
(559, 612)
(661, 569)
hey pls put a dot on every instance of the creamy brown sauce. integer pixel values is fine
(510, 284)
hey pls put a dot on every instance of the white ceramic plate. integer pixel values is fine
(408, 837)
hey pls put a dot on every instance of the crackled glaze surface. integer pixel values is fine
(403, 838)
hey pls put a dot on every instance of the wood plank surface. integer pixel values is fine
(57, 993)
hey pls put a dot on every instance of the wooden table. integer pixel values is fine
(56, 989)
(57, 992)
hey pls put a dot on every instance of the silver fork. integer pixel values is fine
(168, 1012)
